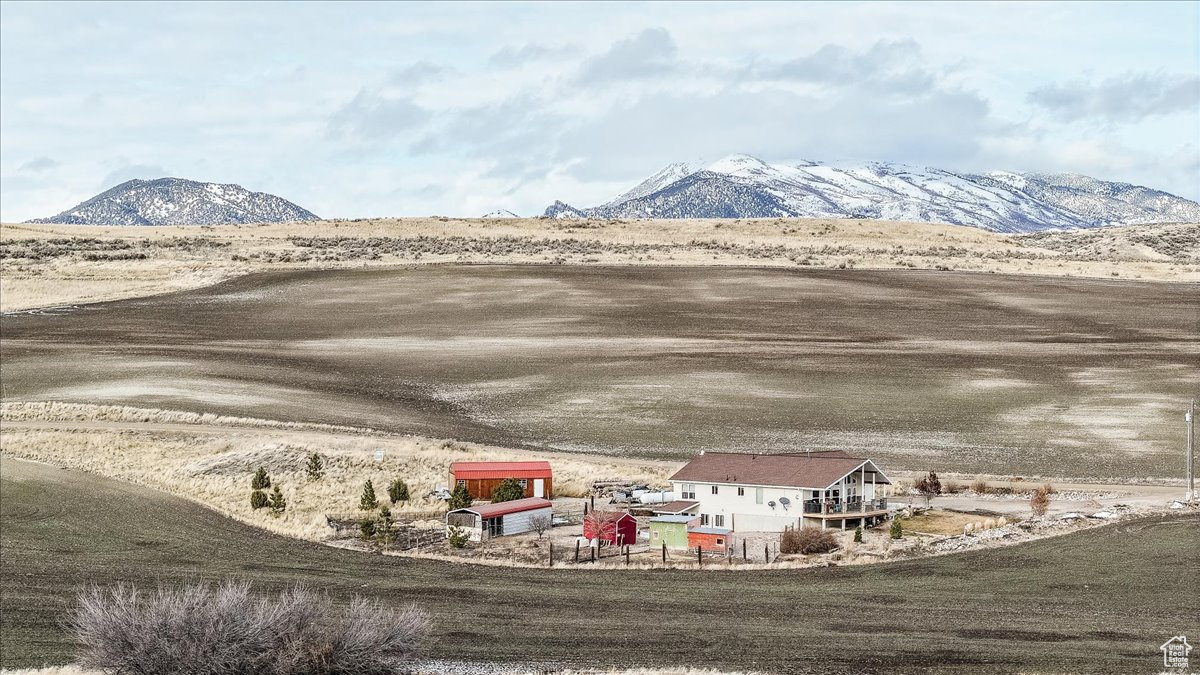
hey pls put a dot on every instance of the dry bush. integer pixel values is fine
(981, 487)
(952, 487)
(1039, 501)
(227, 631)
(807, 540)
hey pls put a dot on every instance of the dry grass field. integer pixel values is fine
(1094, 601)
(968, 373)
(212, 463)
(51, 265)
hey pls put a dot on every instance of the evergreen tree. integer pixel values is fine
(897, 530)
(508, 490)
(368, 502)
(398, 491)
(858, 534)
(460, 498)
(258, 499)
(458, 537)
(383, 526)
(261, 480)
(366, 527)
(315, 468)
(278, 503)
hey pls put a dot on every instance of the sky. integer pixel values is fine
(365, 110)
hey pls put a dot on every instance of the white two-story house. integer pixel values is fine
(771, 493)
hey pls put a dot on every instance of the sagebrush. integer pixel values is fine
(228, 630)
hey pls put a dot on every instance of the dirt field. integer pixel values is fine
(48, 265)
(972, 373)
(1092, 602)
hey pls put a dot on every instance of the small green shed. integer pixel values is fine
(671, 530)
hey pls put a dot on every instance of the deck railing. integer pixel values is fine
(851, 507)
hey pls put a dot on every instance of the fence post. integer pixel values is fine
(585, 509)
(699, 555)
(551, 555)
(664, 553)
(766, 553)
(744, 550)
(593, 550)
(627, 554)
(576, 550)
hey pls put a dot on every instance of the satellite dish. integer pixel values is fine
(785, 501)
(771, 504)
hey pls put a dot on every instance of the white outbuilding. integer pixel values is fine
(485, 521)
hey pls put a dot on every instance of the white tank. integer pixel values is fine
(656, 497)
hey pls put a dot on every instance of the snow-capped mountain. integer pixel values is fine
(740, 186)
(500, 213)
(177, 201)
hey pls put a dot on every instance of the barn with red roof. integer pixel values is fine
(481, 478)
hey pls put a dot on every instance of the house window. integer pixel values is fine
(741, 492)
(689, 491)
(758, 495)
(719, 521)
(460, 482)
(524, 483)
(714, 489)
(720, 541)
(704, 519)
(654, 534)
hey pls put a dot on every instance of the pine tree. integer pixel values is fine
(258, 499)
(858, 534)
(278, 503)
(315, 468)
(897, 530)
(508, 490)
(383, 526)
(398, 491)
(460, 498)
(368, 502)
(366, 527)
(261, 480)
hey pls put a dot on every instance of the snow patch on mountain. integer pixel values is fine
(741, 186)
(178, 201)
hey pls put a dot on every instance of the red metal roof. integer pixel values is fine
(505, 508)
(477, 470)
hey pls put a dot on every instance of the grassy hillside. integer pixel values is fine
(48, 265)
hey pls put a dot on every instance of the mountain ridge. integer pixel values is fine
(742, 186)
(179, 201)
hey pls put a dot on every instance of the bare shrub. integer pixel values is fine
(807, 540)
(228, 631)
(1039, 501)
(981, 487)
(929, 486)
(540, 523)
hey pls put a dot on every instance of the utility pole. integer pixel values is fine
(1191, 454)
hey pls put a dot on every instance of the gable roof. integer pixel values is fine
(505, 508)
(815, 470)
(676, 507)
(477, 470)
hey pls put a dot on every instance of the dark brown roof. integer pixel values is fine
(677, 506)
(815, 470)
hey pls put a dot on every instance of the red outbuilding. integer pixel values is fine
(483, 477)
(714, 539)
(610, 527)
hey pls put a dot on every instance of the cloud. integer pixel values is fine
(131, 171)
(1126, 98)
(895, 64)
(649, 53)
(373, 117)
(512, 56)
(943, 127)
(38, 165)
(417, 73)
